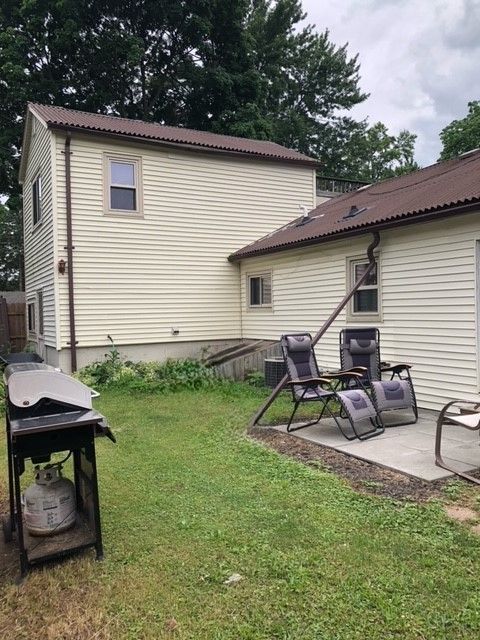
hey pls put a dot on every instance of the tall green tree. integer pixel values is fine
(305, 78)
(11, 263)
(462, 135)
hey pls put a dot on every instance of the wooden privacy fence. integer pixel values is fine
(13, 326)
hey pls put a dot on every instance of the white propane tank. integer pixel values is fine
(49, 503)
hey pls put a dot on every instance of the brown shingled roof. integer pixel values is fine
(61, 118)
(441, 189)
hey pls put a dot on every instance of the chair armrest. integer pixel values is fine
(361, 370)
(351, 373)
(308, 381)
(396, 368)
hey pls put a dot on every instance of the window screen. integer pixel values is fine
(365, 299)
(123, 185)
(260, 290)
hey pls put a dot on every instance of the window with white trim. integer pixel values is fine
(366, 300)
(123, 184)
(260, 290)
(37, 200)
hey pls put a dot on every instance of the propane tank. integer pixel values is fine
(49, 503)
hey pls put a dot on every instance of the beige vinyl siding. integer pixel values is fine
(428, 285)
(39, 241)
(135, 276)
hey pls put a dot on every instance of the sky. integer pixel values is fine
(419, 60)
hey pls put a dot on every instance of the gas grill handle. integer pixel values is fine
(104, 430)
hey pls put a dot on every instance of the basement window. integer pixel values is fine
(365, 303)
(259, 290)
(123, 180)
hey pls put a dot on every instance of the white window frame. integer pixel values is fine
(262, 305)
(361, 316)
(136, 161)
(37, 201)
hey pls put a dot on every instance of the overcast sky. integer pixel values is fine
(419, 60)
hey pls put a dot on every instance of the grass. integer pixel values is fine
(187, 500)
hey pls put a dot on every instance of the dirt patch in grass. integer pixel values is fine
(461, 513)
(363, 476)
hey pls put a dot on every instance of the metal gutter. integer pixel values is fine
(69, 248)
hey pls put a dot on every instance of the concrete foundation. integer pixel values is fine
(137, 352)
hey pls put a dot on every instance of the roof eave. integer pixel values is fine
(184, 146)
(431, 214)
(26, 139)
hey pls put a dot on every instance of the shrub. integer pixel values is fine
(255, 378)
(170, 375)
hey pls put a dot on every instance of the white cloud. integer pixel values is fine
(418, 60)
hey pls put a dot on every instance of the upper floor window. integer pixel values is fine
(123, 184)
(37, 200)
(260, 290)
(366, 300)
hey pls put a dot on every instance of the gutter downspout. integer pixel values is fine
(69, 248)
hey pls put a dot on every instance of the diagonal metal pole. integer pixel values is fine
(371, 264)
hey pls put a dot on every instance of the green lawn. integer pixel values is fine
(187, 500)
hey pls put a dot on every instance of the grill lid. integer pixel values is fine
(28, 383)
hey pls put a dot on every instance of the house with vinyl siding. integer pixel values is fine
(423, 295)
(175, 241)
(128, 226)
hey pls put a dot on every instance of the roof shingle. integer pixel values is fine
(434, 189)
(59, 117)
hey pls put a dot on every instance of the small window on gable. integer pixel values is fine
(366, 300)
(37, 200)
(31, 325)
(123, 185)
(260, 290)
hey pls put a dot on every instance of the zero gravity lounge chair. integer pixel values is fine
(360, 350)
(469, 419)
(307, 385)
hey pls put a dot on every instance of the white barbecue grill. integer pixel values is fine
(48, 411)
(30, 383)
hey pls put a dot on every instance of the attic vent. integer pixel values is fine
(303, 220)
(305, 217)
(354, 211)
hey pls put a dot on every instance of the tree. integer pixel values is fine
(381, 155)
(305, 78)
(361, 152)
(11, 266)
(462, 135)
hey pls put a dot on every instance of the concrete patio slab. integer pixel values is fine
(408, 449)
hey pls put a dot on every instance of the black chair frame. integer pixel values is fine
(400, 371)
(330, 384)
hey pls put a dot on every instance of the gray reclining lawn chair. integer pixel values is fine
(360, 350)
(470, 421)
(308, 385)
